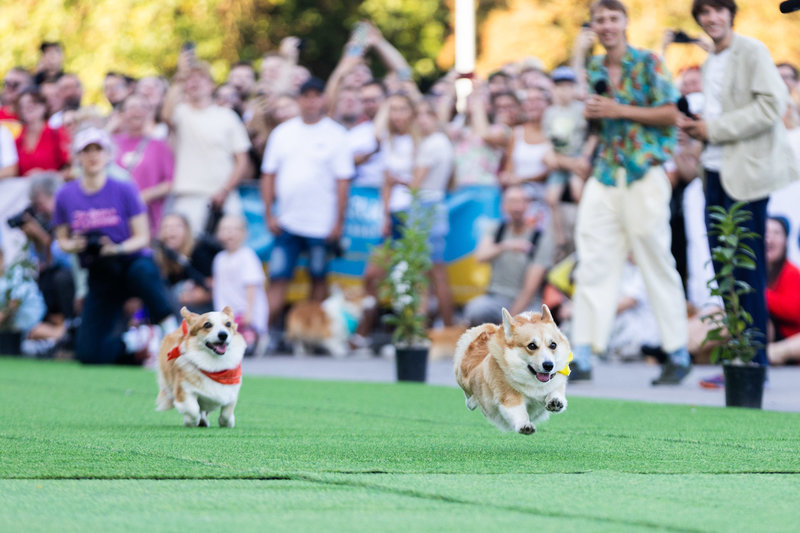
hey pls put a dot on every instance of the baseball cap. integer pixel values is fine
(92, 135)
(313, 84)
(563, 74)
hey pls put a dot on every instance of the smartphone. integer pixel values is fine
(680, 37)
(188, 46)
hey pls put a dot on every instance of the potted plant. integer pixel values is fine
(407, 261)
(737, 342)
(20, 272)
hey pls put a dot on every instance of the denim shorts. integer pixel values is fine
(286, 251)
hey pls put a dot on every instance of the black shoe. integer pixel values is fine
(672, 374)
(576, 374)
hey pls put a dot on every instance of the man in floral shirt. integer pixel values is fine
(625, 204)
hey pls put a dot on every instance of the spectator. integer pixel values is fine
(226, 96)
(185, 263)
(39, 147)
(211, 146)
(625, 204)
(55, 105)
(747, 154)
(21, 304)
(242, 78)
(153, 89)
(499, 82)
(528, 151)
(566, 129)
(478, 144)
(239, 279)
(505, 109)
(15, 81)
(789, 74)
(148, 161)
(306, 162)
(116, 89)
(104, 222)
(433, 166)
(51, 63)
(635, 324)
(783, 286)
(363, 140)
(9, 161)
(510, 246)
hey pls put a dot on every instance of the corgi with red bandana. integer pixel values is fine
(200, 368)
(517, 372)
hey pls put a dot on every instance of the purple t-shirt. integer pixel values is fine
(108, 211)
(154, 165)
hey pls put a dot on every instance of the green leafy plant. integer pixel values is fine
(21, 270)
(407, 263)
(732, 325)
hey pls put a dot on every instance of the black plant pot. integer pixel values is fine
(744, 385)
(10, 343)
(412, 364)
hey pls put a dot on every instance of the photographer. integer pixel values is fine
(55, 276)
(105, 222)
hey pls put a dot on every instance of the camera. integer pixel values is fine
(21, 218)
(93, 244)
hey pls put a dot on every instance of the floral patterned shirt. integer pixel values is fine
(644, 82)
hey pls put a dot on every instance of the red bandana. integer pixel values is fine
(232, 376)
(176, 351)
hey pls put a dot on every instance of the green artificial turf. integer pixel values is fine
(82, 449)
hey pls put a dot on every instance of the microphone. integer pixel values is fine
(683, 107)
(790, 6)
(601, 89)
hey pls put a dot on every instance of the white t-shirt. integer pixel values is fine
(308, 160)
(233, 273)
(436, 154)
(711, 158)
(361, 140)
(398, 158)
(8, 148)
(205, 142)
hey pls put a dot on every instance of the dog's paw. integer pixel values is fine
(471, 403)
(556, 404)
(227, 422)
(527, 429)
(191, 421)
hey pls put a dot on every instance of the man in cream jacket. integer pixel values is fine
(747, 155)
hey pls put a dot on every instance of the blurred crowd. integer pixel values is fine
(180, 149)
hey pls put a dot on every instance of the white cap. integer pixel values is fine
(91, 135)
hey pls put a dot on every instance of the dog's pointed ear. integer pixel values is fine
(227, 311)
(547, 316)
(507, 327)
(188, 315)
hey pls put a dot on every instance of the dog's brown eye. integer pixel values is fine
(227, 324)
(552, 345)
(207, 325)
(532, 347)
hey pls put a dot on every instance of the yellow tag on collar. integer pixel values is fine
(565, 370)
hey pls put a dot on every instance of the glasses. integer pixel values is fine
(11, 84)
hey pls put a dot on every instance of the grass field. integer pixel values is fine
(81, 449)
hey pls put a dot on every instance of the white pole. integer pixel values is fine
(465, 50)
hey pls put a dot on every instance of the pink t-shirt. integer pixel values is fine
(154, 165)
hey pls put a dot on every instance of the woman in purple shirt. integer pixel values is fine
(105, 222)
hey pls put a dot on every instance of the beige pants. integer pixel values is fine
(613, 221)
(195, 207)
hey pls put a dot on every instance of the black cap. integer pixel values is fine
(313, 84)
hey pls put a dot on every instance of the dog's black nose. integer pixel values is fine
(222, 335)
(547, 366)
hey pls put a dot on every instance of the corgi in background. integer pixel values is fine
(328, 324)
(200, 368)
(517, 372)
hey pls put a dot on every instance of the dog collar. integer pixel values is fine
(232, 376)
(565, 370)
(176, 351)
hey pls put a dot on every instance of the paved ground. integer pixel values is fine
(628, 381)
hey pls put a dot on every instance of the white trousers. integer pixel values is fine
(195, 207)
(613, 221)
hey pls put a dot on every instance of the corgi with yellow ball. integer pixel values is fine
(200, 368)
(517, 372)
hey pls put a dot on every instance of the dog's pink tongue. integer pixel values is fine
(543, 377)
(220, 348)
